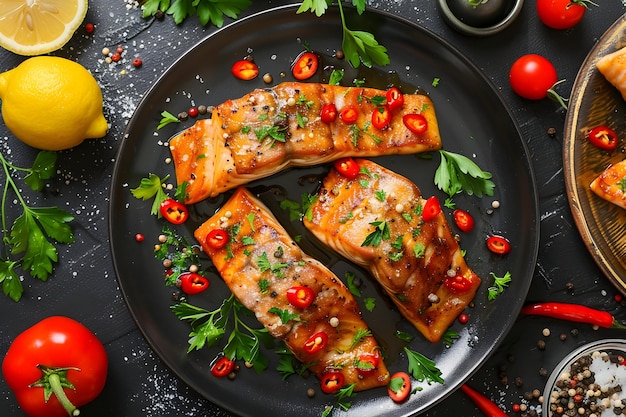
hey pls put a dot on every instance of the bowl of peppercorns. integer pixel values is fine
(590, 382)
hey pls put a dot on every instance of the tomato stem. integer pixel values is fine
(552, 94)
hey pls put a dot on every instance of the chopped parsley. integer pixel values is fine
(380, 233)
(499, 284)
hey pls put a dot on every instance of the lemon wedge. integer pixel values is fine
(35, 27)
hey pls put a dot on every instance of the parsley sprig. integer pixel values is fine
(457, 173)
(499, 284)
(32, 233)
(423, 368)
(208, 11)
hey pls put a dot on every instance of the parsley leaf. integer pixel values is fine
(370, 303)
(352, 286)
(458, 173)
(499, 284)
(33, 231)
(208, 11)
(151, 187)
(285, 315)
(380, 233)
(449, 337)
(358, 337)
(166, 119)
(422, 368)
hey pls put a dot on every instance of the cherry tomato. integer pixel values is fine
(498, 244)
(332, 381)
(415, 122)
(328, 113)
(300, 296)
(367, 363)
(561, 14)
(174, 211)
(217, 238)
(347, 167)
(245, 69)
(603, 137)
(349, 115)
(381, 117)
(305, 66)
(222, 367)
(458, 284)
(463, 220)
(395, 98)
(316, 343)
(192, 283)
(399, 386)
(431, 209)
(531, 76)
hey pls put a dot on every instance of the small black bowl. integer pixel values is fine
(485, 19)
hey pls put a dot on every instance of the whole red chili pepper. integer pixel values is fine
(573, 312)
(484, 404)
(54, 367)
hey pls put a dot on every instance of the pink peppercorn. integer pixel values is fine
(119, 50)
(116, 57)
(137, 62)
(139, 237)
(463, 318)
(89, 27)
(192, 112)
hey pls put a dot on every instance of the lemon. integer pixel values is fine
(52, 103)
(35, 27)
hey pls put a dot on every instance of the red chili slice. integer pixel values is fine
(305, 66)
(498, 244)
(332, 381)
(431, 209)
(458, 284)
(328, 113)
(399, 386)
(463, 220)
(347, 167)
(415, 122)
(367, 363)
(192, 283)
(217, 238)
(300, 296)
(245, 69)
(381, 117)
(174, 211)
(395, 98)
(316, 342)
(222, 367)
(349, 115)
(603, 137)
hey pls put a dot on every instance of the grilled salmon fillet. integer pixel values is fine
(271, 129)
(375, 220)
(611, 184)
(261, 263)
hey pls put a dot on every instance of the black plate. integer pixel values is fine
(473, 120)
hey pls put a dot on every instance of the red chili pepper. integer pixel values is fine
(173, 211)
(332, 381)
(573, 312)
(56, 353)
(484, 404)
(431, 209)
(498, 245)
(217, 238)
(399, 386)
(349, 115)
(367, 363)
(347, 167)
(300, 296)
(381, 117)
(415, 122)
(457, 284)
(395, 98)
(192, 283)
(328, 113)
(463, 220)
(222, 367)
(245, 69)
(316, 343)
(603, 137)
(305, 66)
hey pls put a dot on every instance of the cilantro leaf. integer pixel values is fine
(499, 284)
(423, 368)
(458, 173)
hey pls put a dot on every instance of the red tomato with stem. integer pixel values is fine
(300, 296)
(399, 387)
(328, 113)
(222, 367)
(305, 66)
(531, 76)
(245, 69)
(463, 220)
(431, 209)
(193, 283)
(347, 167)
(217, 238)
(561, 14)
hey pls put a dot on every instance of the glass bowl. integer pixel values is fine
(589, 381)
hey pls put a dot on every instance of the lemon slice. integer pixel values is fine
(34, 27)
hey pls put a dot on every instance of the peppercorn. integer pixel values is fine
(551, 132)
(541, 344)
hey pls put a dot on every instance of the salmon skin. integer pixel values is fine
(271, 129)
(261, 263)
(411, 260)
